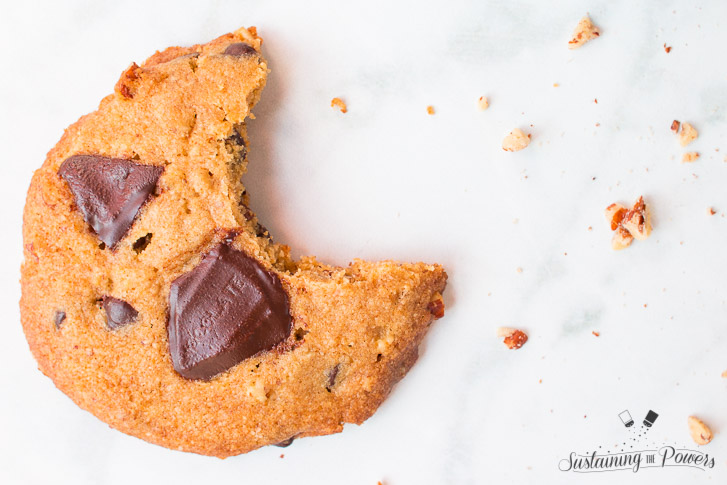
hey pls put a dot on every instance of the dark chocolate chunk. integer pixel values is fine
(109, 192)
(240, 49)
(118, 312)
(225, 310)
(285, 443)
(59, 317)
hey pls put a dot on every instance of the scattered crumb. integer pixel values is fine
(514, 338)
(338, 103)
(598, 124)
(556, 85)
(667, 49)
(595, 100)
(590, 228)
(282, 456)
(483, 103)
(519, 270)
(515, 141)
(585, 31)
(540, 381)
(597, 334)
(711, 211)
(724, 374)
(701, 434)
(628, 224)
(675, 126)
(430, 110)
(688, 134)
(690, 157)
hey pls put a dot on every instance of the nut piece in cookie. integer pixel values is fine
(584, 31)
(515, 141)
(700, 432)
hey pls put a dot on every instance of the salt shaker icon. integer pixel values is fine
(626, 418)
(650, 418)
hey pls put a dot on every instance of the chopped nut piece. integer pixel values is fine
(675, 126)
(436, 306)
(690, 157)
(637, 221)
(615, 214)
(338, 103)
(514, 338)
(430, 110)
(701, 434)
(585, 31)
(483, 103)
(621, 239)
(515, 141)
(688, 134)
(667, 49)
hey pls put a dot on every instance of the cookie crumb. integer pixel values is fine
(628, 224)
(667, 49)
(688, 134)
(483, 103)
(711, 211)
(724, 374)
(556, 85)
(701, 434)
(515, 141)
(338, 103)
(519, 270)
(595, 100)
(513, 338)
(675, 126)
(690, 157)
(430, 110)
(584, 32)
(282, 456)
(597, 334)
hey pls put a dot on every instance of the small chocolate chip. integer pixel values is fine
(141, 243)
(285, 443)
(59, 317)
(109, 192)
(332, 374)
(240, 49)
(224, 311)
(118, 312)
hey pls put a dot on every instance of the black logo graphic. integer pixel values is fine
(627, 456)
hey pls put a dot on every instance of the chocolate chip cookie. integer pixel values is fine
(153, 297)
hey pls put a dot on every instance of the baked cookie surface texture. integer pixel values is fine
(153, 297)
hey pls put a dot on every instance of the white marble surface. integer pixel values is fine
(386, 180)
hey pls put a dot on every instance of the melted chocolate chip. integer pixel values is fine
(118, 312)
(240, 49)
(332, 374)
(285, 443)
(224, 311)
(59, 317)
(109, 192)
